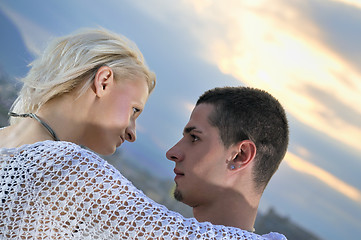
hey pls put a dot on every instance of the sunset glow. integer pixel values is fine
(263, 49)
(327, 178)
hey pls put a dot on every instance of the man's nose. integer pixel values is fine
(175, 154)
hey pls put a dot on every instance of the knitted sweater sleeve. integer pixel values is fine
(62, 191)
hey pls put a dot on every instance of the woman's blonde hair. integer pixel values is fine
(73, 60)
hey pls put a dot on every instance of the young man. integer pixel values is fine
(232, 145)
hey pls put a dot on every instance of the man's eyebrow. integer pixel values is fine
(189, 129)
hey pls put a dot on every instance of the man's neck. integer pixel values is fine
(231, 210)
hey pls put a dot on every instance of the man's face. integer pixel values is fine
(200, 160)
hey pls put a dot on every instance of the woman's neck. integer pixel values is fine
(65, 117)
(62, 115)
(25, 131)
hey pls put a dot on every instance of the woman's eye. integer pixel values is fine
(194, 138)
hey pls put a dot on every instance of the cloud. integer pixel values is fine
(354, 3)
(303, 166)
(278, 48)
(165, 12)
(333, 110)
(188, 106)
(33, 35)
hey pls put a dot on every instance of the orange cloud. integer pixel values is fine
(327, 178)
(260, 45)
(355, 3)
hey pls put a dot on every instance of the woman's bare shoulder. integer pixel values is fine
(6, 137)
(24, 132)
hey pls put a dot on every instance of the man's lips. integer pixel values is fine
(178, 173)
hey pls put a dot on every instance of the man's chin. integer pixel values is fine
(178, 195)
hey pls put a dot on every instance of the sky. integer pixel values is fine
(306, 53)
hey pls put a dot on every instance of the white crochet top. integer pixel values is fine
(58, 190)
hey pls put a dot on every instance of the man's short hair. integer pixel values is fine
(244, 113)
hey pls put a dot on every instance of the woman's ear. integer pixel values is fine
(245, 155)
(103, 80)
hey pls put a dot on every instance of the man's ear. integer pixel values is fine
(246, 152)
(103, 80)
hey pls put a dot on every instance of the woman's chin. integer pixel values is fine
(104, 150)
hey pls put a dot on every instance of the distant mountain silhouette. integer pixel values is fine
(14, 56)
(8, 93)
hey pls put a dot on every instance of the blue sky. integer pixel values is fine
(305, 52)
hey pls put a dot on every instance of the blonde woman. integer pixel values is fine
(86, 90)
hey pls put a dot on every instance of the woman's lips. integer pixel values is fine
(121, 141)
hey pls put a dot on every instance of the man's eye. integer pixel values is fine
(194, 138)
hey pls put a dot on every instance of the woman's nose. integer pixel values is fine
(130, 133)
